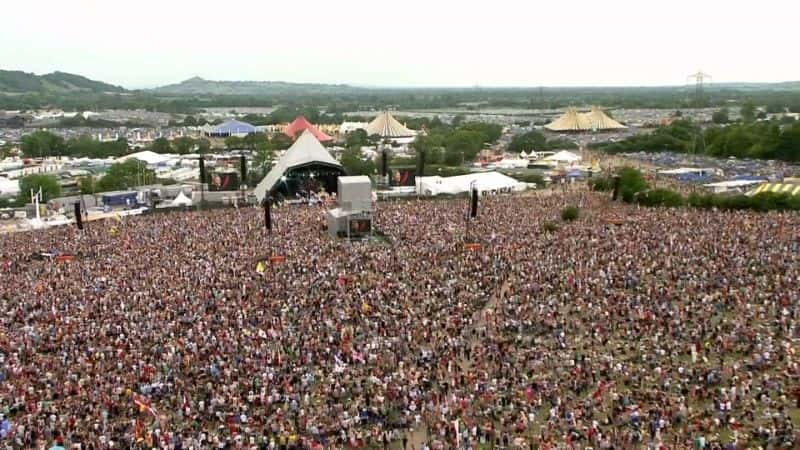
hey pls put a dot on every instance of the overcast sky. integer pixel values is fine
(144, 43)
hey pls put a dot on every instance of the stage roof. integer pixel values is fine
(305, 150)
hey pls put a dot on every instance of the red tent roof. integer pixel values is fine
(300, 123)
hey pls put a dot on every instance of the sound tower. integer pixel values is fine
(202, 170)
(385, 163)
(421, 163)
(78, 217)
(268, 214)
(616, 188)
(243, 169)
(473, 210)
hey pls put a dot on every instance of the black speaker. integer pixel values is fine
(473, 210)
(243, 168)
(421, 163)
(616, 188)
(268, 214)
(78, 217)
(385, 163)
(202, 170)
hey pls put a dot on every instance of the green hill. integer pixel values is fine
(15, 81)
(200, 86)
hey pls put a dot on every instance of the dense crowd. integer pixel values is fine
(628, 328)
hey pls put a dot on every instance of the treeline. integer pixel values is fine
(348, 99)
(454, 145)
(43, 144)
(759, 140)
(535, 140)
(445, 146)
(633, 188)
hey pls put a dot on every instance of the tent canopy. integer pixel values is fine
(385, 125)
(146, 157)
(563, 157)
(486, 182)
(181, 200)
(594, 120)
(233, 127)
(301, 124)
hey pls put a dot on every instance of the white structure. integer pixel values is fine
(181, 200)
(349, 127)
(8, 188)
(353, 217)
(148, 157)
(564, 158)
(732, 186)
(488, 183)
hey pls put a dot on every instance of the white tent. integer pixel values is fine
(488, 183)
(8, 188)
(147, 157)
(564, 157)
(523, 155)
(181, 200)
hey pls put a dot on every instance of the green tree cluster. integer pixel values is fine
(49, 185)
(121, 176)
(43, 144)
(535, 140)
(759, 140)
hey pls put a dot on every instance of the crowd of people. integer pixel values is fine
(627, 328)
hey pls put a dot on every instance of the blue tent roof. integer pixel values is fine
(234, 127)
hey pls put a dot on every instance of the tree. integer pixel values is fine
(183, 145)
(87, 185)
(354, 164)
(42, 143)
(748, 112)
(631, 182)
(233, 143)
(50, 186)
(357, 139)
(203, 146)
(125, 175)
(189, 121)
(532, 140)
(161, 145)
(720, 116)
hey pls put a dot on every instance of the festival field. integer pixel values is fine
(626, 328)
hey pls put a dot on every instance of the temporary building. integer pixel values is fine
(181, 200)
(386, 126)
(563, 157)
(487, 183)
(778, 188)
(301, 124)
(594, 120)
(147, 157)
(8, 188)
(305, 164)
(232, 128)
(731, 185)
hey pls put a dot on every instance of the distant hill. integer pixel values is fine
(200, 86)
(15, 81)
